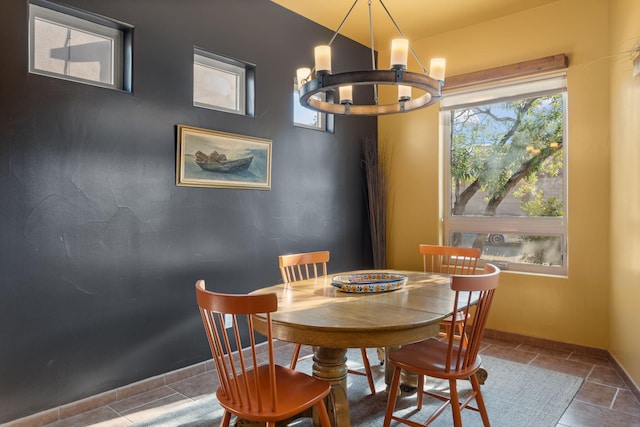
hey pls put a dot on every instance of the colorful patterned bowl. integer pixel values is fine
(369, 282)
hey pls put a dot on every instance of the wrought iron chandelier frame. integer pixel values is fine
(325, 82)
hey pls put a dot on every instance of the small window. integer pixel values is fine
(223, 84)
(306, 118)
(74, 45)
(505, 184)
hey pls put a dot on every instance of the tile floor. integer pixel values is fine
(603, 400)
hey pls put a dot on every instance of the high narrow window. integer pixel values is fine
(221, 83)
(505, 186)
(306, 118)
(74, 45)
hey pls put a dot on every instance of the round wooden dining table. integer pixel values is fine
(314, 312)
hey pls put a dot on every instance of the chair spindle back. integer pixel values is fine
(449, 259)
(470, 288)
(236, 367)
(294, 267)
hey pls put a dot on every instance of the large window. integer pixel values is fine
(74, 45)
(505, 164)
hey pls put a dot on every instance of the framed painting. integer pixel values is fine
(208, 158)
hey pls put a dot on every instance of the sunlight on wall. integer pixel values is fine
(573, 309)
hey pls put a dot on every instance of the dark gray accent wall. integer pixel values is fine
(100, 250)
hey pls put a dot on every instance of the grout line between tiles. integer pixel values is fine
(586, 377)
(615, 396)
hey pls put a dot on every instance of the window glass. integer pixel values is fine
(305, 117)
(73, 48)
(505, 167)
(221, 83)
(218, 85)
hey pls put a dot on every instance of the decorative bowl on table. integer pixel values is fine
(369, 282)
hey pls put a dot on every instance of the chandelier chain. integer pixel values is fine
(343, 21)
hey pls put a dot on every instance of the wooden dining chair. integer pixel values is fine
(450, 260)
(249, 388)
(445, 359)
(306, 265)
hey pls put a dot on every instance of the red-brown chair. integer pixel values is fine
(445, 359)
(450, 260)
(250, 389)
(306, 265)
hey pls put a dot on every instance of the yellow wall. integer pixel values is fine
(574, 309)
(625, 188)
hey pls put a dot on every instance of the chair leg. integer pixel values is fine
(226, 419)
(480, 401)
(455, 403)
(393, 392)
(294, 357)
(380, 351)
(323, 414)
(367, 368)
(420, 390)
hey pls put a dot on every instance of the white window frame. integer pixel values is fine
(65, 17)
(536, 86)
(242, 73)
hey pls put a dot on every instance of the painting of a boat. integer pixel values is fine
(218, 162)
(209, 158)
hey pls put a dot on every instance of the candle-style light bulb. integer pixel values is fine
(323, 59)
(302, 74)
(399, 53)
(437, 69)
(404, 93)
(346, 94)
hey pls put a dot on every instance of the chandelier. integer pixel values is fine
(415, 89)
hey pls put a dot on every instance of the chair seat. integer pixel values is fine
(429, 358)
(296, 392)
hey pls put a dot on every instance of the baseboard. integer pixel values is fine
(108, 397)
(546, 343)
(625, 376)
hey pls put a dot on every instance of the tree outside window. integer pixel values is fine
(505, 170)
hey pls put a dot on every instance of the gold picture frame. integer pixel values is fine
(209, 158)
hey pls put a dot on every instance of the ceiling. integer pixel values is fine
(416, 18)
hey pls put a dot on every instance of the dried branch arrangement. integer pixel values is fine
(376, 182)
